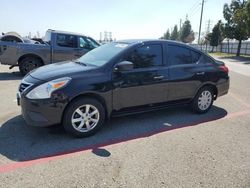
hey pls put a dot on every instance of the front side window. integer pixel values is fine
(146, 56)
(195, 56)
(92, 42)
(83, 43)
(66, 40)
(87, 43)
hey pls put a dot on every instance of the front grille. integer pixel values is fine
(23, 87)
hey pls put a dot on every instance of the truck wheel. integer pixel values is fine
(84, 117)
(203, 100)
(28, 64)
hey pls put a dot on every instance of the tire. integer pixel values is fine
(203, 100)
(28, 64)
(78, 123)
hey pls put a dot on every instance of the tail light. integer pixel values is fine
(224, 68)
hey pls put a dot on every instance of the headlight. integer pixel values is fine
(44, 91)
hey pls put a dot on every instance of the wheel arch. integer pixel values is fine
(30, 55)
(211, 85)
(91, 95)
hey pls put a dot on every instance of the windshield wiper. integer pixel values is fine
(79, 62)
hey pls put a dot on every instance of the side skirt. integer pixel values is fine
(149, 108)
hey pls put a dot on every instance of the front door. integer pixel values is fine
(146, 83)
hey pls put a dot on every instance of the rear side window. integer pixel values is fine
(207, 60)
(195, 56)
(178, 55)
(66, 40)
(146, 56)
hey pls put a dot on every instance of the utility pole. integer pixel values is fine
(202, 5)
(208, 26)
(180, 24)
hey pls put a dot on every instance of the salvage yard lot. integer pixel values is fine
(168, 148)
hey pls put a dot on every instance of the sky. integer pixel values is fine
(126, 19)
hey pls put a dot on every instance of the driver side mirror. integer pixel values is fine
(124, 66)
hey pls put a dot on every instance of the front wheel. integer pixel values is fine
(84, 117)
(203, 100)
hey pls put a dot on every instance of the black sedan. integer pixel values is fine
(121, 78)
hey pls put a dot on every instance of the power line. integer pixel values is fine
(194, 6)
(195, 11)
(208, 26)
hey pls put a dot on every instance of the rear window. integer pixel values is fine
(64, 40)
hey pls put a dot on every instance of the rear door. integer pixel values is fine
(66, 47)
(186, 73)
(146, 83)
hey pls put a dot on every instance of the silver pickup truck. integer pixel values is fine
(59, 46)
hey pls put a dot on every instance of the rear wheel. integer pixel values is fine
(203, 100)
(28, 64)
(84, 117)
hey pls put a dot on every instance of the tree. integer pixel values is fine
(248, 16)
(174, 33)
(186, 33)
(166, 35)
(236, 26)
(216, 37)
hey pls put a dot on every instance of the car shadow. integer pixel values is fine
(19, 142)
(10, 76)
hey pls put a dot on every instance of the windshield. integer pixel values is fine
(101, 55)
(47, 37)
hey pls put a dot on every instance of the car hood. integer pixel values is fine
(58, 70)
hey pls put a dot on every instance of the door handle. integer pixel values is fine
(200, 73)
(158, 77)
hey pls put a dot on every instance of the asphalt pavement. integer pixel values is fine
(168, 148)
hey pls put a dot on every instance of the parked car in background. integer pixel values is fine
(121, 78)
(59, 46)
(14, 37)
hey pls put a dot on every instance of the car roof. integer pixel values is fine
(134, 41)
(138, 41)
(65, 32)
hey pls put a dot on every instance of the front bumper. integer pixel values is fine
(41, 113)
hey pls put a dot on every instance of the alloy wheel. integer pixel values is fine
(85, 118)
(205, 100)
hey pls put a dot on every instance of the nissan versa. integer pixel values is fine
(120, 78)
